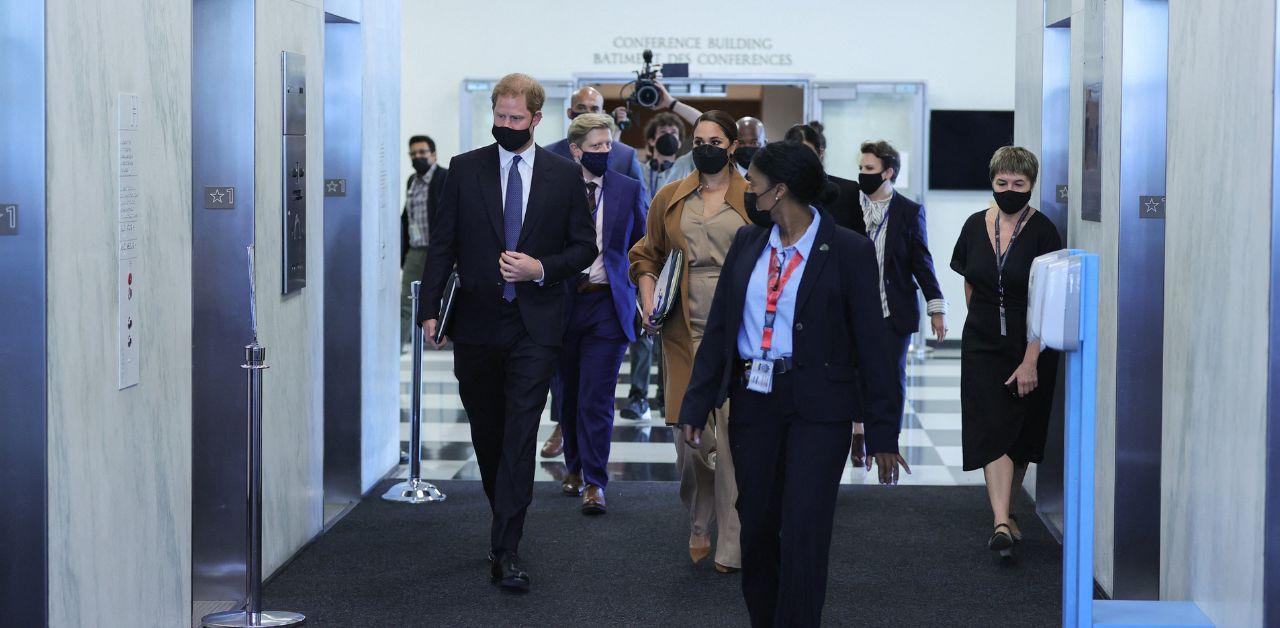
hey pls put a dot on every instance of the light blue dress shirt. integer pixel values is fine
(752, 330)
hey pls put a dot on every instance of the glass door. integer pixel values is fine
(852, 113)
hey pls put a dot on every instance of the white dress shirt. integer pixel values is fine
(596, 272)
(526, 182)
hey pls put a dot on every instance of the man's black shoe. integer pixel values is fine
(507, 573)
(637, 407)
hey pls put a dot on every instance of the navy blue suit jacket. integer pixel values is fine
(625, 210)
(622, 159)
(838, 336)
(908, 265)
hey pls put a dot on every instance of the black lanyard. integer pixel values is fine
(1001, 258)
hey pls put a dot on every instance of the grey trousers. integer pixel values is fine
(411, 271)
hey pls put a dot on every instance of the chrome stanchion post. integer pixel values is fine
(255, 357)
(415, 490)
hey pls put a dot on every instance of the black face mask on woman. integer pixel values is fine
(710, 159)
(1011, 202)
(869, 182)
(511, 139)
(759, 216)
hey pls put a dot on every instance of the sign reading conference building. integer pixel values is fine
(697, 51)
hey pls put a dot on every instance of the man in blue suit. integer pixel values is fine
(601, 312)
(622, 159)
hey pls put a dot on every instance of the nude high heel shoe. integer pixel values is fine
(699, 548)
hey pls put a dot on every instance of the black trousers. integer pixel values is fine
(900, 345)
(788, 473)
(503, 387)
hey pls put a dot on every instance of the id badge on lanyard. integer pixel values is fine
(1001, 258)
(760, 378)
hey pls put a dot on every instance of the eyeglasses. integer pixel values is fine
(419, 153)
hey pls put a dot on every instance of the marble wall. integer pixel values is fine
(1216, 305)
(380, 441)
(290, 327)
(119, 460)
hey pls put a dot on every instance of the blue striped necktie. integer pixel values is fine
(511, 218)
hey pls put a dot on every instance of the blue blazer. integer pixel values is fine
(622, 159)
(838, 342)
(625, 210)
(908, 265)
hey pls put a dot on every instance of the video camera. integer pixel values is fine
(645, 90)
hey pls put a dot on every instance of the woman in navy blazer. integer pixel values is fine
(790, 430)
(896, 226)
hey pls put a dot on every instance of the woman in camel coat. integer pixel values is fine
(698, 215)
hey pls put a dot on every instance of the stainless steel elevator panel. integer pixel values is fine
(1271, 511)
(23, 394)
(222, 127)
(1054, 195)
(295, 212)
(1091, 32)
(1140, 300)
(343, 117)
(293, 67)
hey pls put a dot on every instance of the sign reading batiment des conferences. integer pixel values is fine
(696, 51)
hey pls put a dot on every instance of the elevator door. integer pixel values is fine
(343, 103)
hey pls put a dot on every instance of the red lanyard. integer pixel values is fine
(774, 294)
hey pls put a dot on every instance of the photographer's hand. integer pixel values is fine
(688, 113)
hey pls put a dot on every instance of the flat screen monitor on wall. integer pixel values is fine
(961, 144)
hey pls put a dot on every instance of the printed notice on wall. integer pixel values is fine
(128, 240)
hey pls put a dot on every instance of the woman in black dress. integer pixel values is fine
(1006, 383)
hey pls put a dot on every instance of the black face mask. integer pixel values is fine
(869, 182)
(667, 144)
(1011, 202)
(421, 165)
(744, 154)
(758, 216)
(710, 159)
(511, 139)
(595, 163)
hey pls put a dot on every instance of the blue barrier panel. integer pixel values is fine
(1079, 609)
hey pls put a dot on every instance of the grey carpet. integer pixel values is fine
(900, 556)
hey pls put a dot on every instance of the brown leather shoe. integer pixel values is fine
(572, 485)
(593, 501)
(554, 445)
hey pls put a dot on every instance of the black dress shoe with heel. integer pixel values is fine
(1001, 541)
(507, 573)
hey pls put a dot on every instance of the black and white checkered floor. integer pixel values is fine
(643, 450)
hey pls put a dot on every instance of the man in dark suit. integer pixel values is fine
(896, 226)
(422, 198)
(514, 219)
(602, 310)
